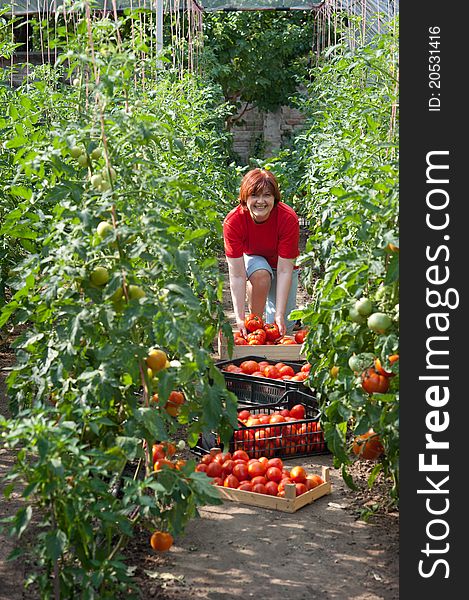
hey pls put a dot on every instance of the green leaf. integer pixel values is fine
(55, 544)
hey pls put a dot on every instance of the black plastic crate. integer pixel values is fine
(286, 439)
(260, 390)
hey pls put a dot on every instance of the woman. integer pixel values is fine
(261, 237)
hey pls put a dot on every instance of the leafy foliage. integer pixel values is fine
(258, 57)
(149, 158)
(342, 174)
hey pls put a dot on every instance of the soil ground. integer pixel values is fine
(325, 550)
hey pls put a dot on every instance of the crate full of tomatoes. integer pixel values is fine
(289, 427)
(253, 379)
(263, 481)
(266, 339)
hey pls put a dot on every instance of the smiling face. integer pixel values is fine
(260, 205)
(259, 193)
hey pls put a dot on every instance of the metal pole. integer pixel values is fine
(159, 32)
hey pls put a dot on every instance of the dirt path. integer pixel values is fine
(11, 573)
(238, 551)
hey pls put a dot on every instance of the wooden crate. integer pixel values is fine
(291, 503)
(275, 353)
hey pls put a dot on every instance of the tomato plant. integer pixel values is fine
(347, 190)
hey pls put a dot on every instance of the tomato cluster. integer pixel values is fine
(163, 455)
(260, 333)
(285, 432)
(173, 405)
(261, 475)
(264, 368)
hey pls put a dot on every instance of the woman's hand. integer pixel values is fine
(279, 319)
(242, 328)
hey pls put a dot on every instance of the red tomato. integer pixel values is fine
(249, 366)
(244, 415)
(306, 368)
(300, 489)
(259, 479)
(158, 452)
(258, 334)
(277, 419)
(228, 467)
(240, 471)
(313, 481)
(217, 481)
(231, 481)
(283, 483)
(272, 332)
(256, 468)
(222, 457)
(271, 488)
(300, 336)
(271, 372)
(200, 468)
(275, 462)
(298, 412)
(214, 469)
(263, 364)
(374, 383)
(240, 341)
(274, 474)
(287, 370)
(245, 486)
(240, 455)
(253, 322)
(286, 339)
(259, 488)
(285, 412)
(298, 475)
(257, 374)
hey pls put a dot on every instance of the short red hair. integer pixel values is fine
(256, 181)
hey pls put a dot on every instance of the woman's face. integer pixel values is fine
(260, 205)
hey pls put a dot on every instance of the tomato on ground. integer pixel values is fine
(161, 541)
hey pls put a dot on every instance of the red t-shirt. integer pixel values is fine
(278, 236)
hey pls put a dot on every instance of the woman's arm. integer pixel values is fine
(284, 278)
(237, 274)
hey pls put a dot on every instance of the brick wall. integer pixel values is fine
(261, 135)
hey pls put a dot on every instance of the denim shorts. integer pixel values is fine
(255, 263)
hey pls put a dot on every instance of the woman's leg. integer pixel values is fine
(291, 301)
(259, 279)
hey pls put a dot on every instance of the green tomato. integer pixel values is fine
(96, 153)
(117, 295)
(104, 229)
(135, 292)
(379, 322)
(96, 181)
(364, 306)
(359, 362)
(75, 151)
(82, 160)
(99, 276)
(356, 316)
(110, 174)
(105, 186)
